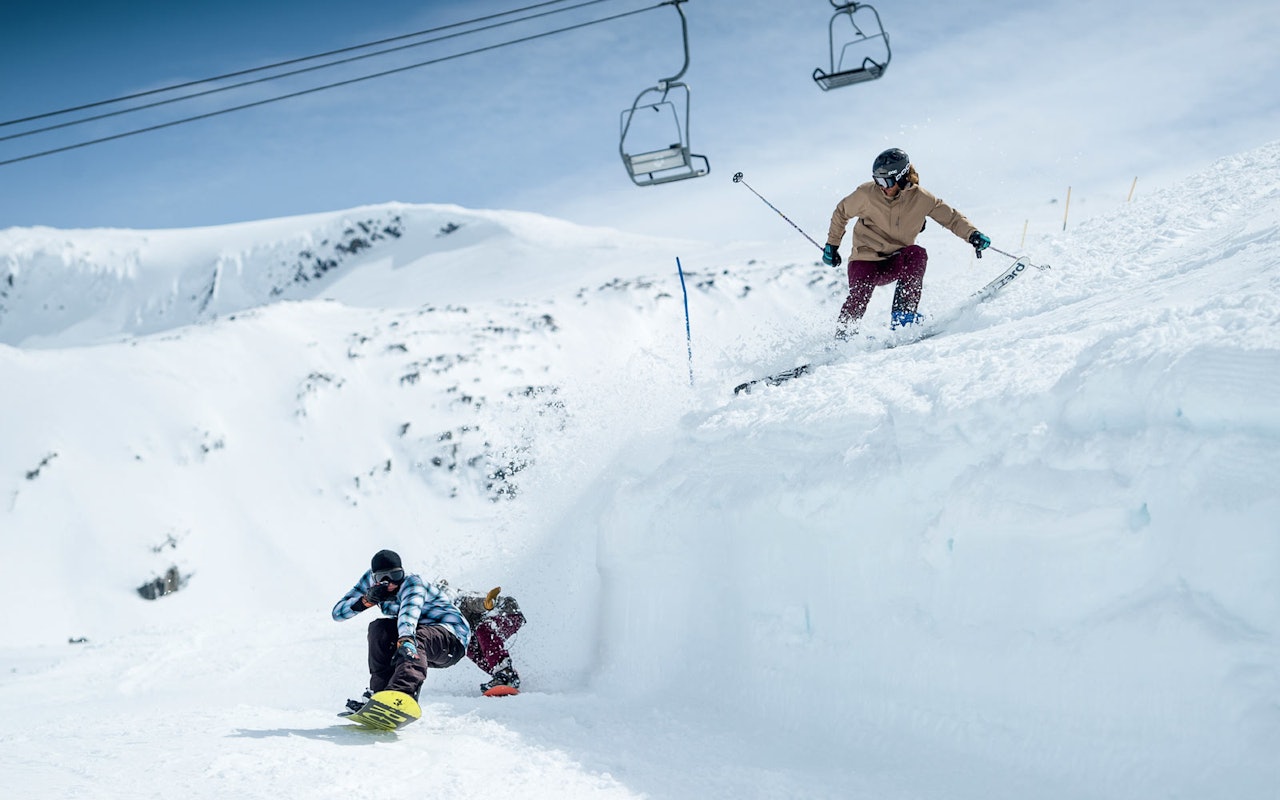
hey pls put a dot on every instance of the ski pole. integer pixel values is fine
(737, 178)
(1015, 258)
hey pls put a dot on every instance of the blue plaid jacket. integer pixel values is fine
(416, 603)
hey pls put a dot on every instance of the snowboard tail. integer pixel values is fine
(386, 711)
(500, 691)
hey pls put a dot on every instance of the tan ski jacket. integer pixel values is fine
(886, 226)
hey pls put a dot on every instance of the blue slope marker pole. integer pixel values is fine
(688, 334)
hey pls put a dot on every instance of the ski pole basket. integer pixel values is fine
(654, 144)
(864, 57)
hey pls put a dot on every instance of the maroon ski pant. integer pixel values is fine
(438, 648)
(906, 266)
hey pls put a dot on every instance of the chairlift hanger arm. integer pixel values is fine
(665, 85)
(684, 35)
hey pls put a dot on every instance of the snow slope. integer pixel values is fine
(1037, 556)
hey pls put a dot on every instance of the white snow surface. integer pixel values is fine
(1037, 556)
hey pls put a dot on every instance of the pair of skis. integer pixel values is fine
(1018, 267)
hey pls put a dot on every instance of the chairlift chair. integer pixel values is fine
(673, 162)
(667, 162)
(847, 70)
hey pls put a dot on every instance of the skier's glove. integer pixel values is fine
(980, 242)
(831, 255)
(407, 648)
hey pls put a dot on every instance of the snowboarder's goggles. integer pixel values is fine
(885, 180)
(388, 576)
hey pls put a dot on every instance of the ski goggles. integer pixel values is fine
(884, 180)
(388, 575)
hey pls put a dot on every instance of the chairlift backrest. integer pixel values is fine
(859, 68)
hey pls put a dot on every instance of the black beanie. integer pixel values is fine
(385, 560)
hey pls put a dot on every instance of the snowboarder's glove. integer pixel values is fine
(980, 242)
(490, 597)
(407, 648)
(378, 593)
(831, 255)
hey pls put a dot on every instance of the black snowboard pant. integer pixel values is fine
(437, 648)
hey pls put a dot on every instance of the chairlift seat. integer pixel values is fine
(674, 163)
(869, 71)
(673, 157)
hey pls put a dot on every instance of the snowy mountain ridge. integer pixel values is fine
(69, 287)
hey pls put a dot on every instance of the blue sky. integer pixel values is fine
(1002, 106)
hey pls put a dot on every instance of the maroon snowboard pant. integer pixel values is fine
(438, 648)
(489, 637)
(906, 266)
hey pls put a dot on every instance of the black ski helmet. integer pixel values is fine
(891, 167)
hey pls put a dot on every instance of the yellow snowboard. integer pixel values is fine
(386, 711)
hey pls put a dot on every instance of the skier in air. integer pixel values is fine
(891, 210)
(422, 628)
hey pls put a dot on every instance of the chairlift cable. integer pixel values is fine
(334, 85)
(292, 61)
(289, 74)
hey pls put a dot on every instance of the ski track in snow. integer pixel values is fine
(1034, 556)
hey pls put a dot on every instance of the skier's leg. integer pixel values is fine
(862, 282)
(910, 264)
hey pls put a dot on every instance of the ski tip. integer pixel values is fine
(774, 380)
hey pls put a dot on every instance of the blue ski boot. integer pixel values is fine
(901, 319)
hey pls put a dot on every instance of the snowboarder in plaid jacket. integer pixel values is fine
(422, 627)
